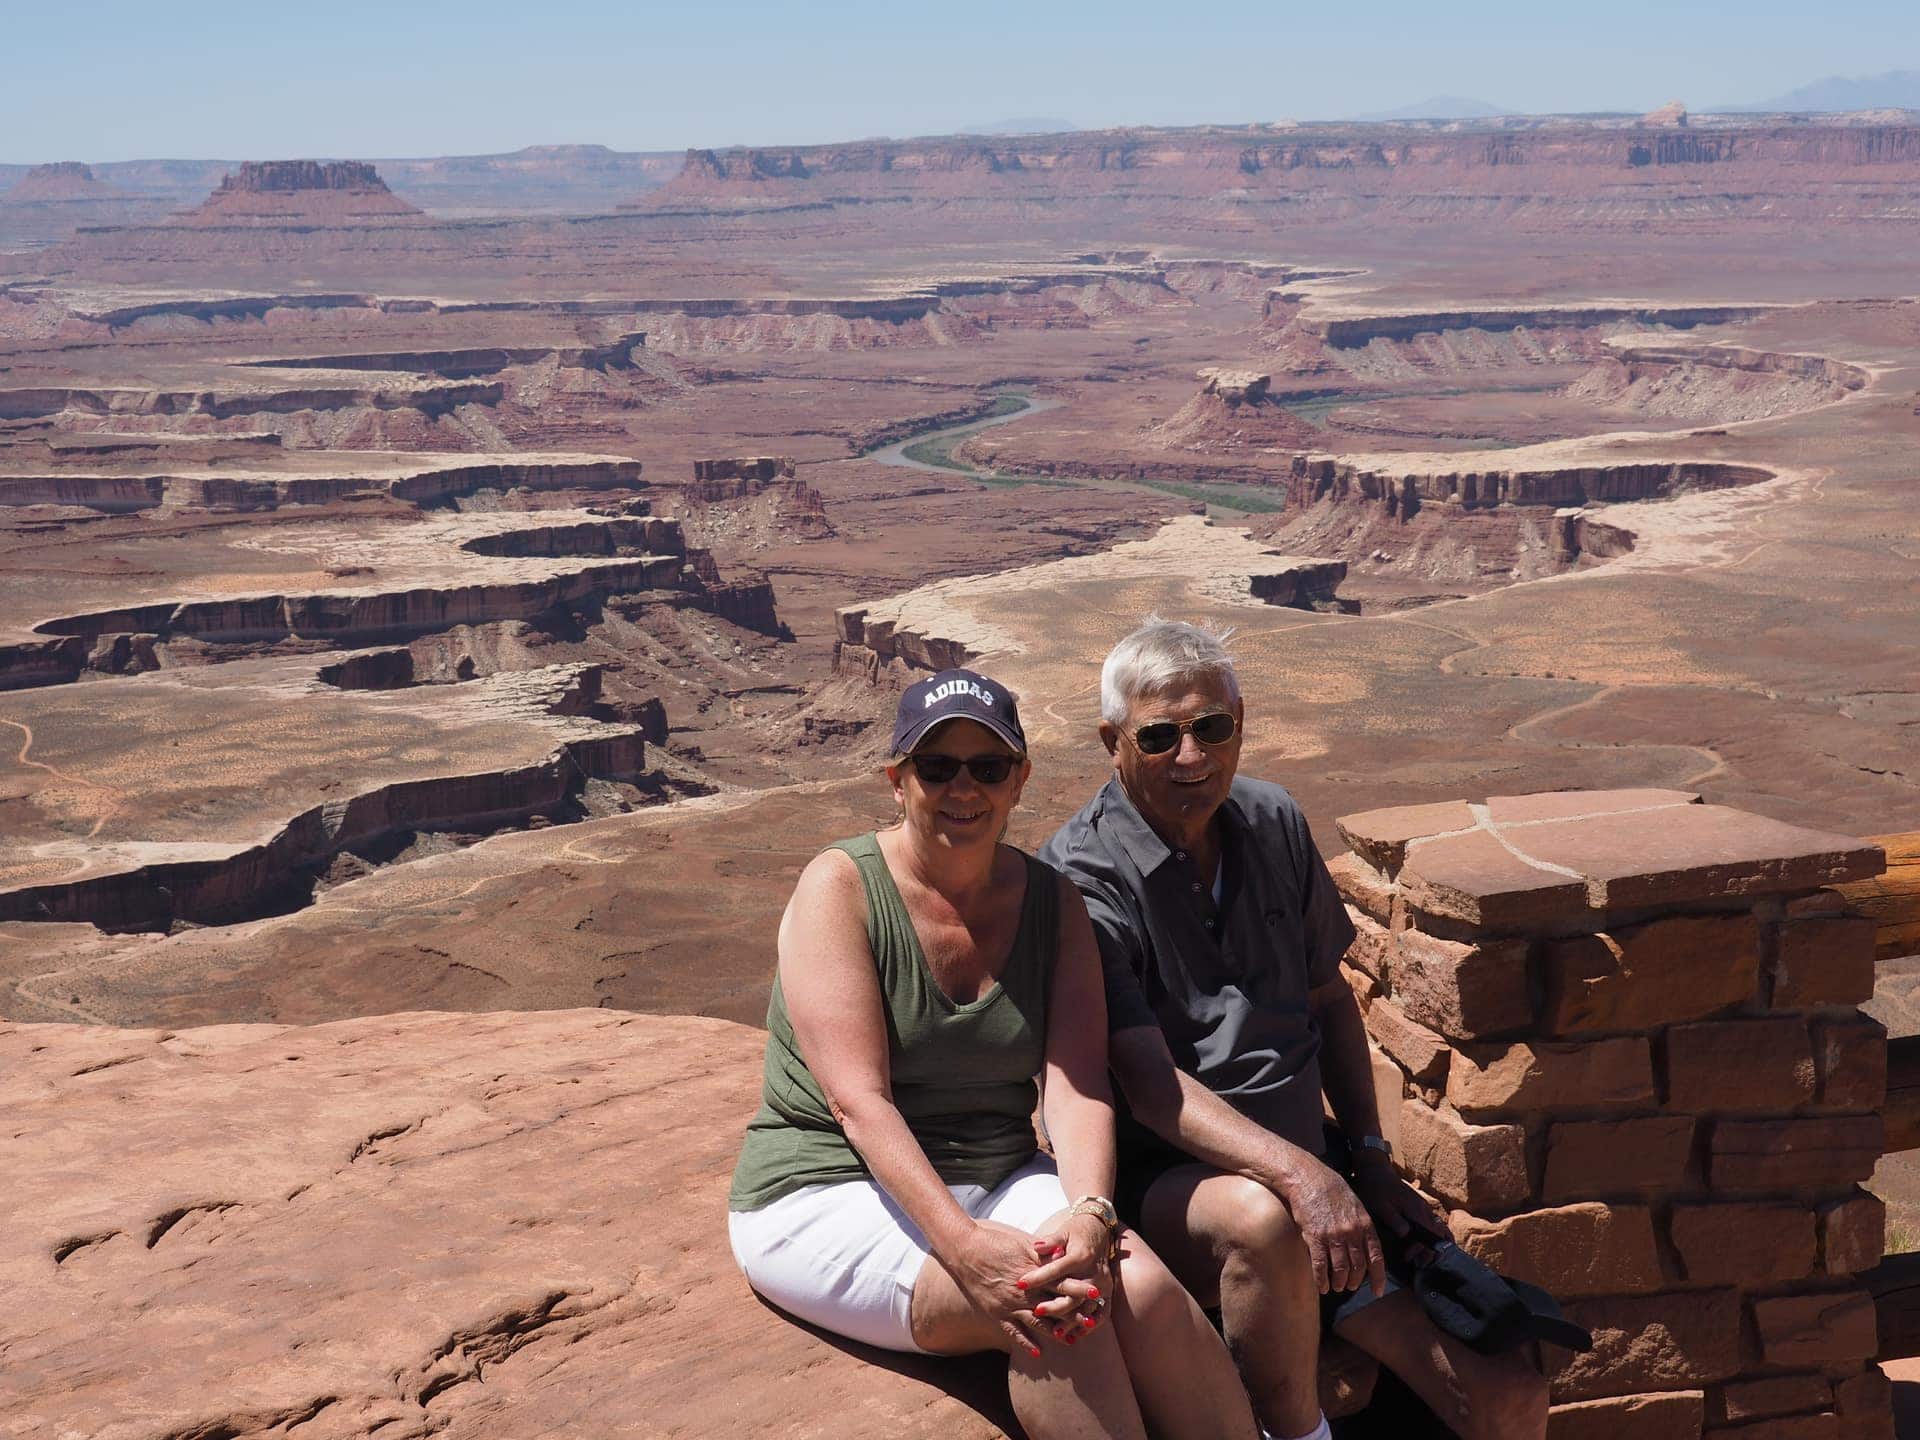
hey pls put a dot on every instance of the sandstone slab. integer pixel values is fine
(1482, 1168)
(1739, 1065)
(491, 1225)
(1788, 1154)
(1662, 1415)
(1685, 968)
(1592, 1159)
(1550, 1075)
(1823, 961)
(1815, 1330)
(1571, 1250)
(1460, 990)
(1677, 1340)
(1756, 1244)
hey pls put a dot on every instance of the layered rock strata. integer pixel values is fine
(212, 883)
(282, 192)
(1619, 1042)
(1402, 495)
(935, 628)
(425, 483)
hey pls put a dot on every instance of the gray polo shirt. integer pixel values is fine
(1225, 981)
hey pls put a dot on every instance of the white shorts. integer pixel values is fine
(845, 1257)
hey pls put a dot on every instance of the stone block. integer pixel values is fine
(1816, 902)
(1824, 1151)
(1774, 1395)
(1739, 1065)
(1850, 1060)
(1477, 1167)
(1824, 961)
(1389, 1089)
(1825, 1426)
(1853, 1233)
(1571, 1250)
(1687, 853)
(1380, 837)
(1371, 941)
(1547, 1075)
(1506, 810)
(1461, 991)
(1645, 976)
(1472, 877)
(1664, 1415)
(1593, 1159)
(1750, 1244)
(1865, 1403)
(1423, 1054)
(1362, 887)
(1676, 1340)
(1815, 1331)
(1361, 984)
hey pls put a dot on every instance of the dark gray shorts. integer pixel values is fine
(1141, 1170)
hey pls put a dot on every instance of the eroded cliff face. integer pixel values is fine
(280, 192)
(1332, 159)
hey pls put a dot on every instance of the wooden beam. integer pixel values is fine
(1893, 898)
(1895, 1286)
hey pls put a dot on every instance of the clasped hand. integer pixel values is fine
(1051, 1286)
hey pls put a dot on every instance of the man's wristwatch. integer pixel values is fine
(1375, 1143)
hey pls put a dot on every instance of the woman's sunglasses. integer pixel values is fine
(940, 769)
(1164, 735)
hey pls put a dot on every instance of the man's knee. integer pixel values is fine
(1511, 1404)
(1257, 1228)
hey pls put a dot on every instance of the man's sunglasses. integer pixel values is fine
(940, 769)
(1161, 736)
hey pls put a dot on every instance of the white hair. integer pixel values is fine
(1158, 656)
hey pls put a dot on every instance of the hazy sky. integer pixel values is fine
(115, 81)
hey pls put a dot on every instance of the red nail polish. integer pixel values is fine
(1019, 1284)
(1036, 1352)
(1094, 1291)
(1072, 1338)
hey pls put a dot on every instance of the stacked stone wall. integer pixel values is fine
(1618, 1041)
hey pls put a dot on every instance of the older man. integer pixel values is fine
(1221, 934)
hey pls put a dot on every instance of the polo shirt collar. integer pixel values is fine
(1129, 830)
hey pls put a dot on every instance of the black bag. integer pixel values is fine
(1490, 1313)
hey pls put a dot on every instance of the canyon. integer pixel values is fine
(447, 602)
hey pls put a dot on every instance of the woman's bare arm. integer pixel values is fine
(837, 1012)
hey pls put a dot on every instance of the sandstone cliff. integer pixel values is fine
(287, 192)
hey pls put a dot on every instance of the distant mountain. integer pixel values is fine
(1441, 107)
(1021, 125)
(1895, 90)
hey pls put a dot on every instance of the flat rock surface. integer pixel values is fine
(493, 1225)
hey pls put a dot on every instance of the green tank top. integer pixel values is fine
(963, 1075)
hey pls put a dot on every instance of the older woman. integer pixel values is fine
(890, 1189)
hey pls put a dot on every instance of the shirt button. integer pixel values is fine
(1196, 887)
(1209, 924)
(1179, 854)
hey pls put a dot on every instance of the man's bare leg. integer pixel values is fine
(1479, 1397)
(1231, 1241)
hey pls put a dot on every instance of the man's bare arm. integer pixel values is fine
(1179, 1109)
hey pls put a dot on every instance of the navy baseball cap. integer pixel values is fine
(956, 695)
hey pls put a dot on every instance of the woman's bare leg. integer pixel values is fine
(1186, 1382)
(1071, 1392)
